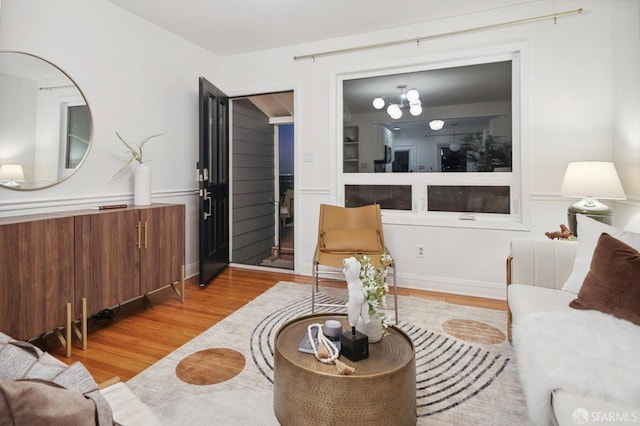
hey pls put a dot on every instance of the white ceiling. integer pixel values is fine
(227, 27)
(274, 104)
(241, 26)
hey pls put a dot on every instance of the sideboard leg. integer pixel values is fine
(67, 330)
(81, 333)
(179, 291)
(182, 284)
(83, 324)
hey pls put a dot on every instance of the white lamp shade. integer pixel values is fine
(415, 110)
(595, 179)
(436, 124)
(378, 103)
(11, 172)
(394, 111)
(413, 95)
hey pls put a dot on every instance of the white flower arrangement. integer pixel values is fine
(375, 287)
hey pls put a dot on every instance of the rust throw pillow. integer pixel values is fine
(612, 284)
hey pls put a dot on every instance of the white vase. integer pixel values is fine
(142, 185)
(373, 329)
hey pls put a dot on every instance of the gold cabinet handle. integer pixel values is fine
(145, 234)
(139, 240)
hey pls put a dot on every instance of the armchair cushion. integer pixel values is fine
(350, 241)
(612, 285)
(25, 402)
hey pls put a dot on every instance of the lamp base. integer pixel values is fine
(589, 207)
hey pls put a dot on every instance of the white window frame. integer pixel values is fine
(517, 179)
(65, 104)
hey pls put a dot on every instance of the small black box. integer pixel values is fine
(354, 347)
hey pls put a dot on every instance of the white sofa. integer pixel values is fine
(568, 371)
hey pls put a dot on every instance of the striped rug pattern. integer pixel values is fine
(460, 380)
(449, 372)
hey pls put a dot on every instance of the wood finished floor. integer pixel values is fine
(145, 331)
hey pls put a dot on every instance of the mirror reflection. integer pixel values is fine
(45, 123)
(443, 120)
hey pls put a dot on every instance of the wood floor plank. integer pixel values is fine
(146, 330)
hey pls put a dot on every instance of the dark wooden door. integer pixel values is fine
(401, 161)
(213, 172)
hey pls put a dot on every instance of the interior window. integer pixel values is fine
(468, 199)
(400, 123)
(78, 134)
(447, 129)
(392, 197)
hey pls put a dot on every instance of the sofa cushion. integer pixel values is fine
(541, 263)
(525, 299)
(589, 230)
(582, 352)
(612, 285)
(571, 409)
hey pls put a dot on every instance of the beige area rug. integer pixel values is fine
(465, 370)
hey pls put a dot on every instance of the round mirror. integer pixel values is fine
(45, 123)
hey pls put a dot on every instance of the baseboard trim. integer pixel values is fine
(488, 290)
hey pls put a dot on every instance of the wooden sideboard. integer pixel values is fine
(51, 263)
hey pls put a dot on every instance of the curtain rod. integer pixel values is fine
(417, 40)
(56, 87)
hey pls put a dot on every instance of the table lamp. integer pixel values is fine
(590, 181)
(11, 174)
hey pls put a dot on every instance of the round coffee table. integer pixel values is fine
(381, 392)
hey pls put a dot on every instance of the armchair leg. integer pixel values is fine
(509, 277)
(314, 287)
(395, 293)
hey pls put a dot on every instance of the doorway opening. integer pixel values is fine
(401, 160)
(263, 217)
(283, 254)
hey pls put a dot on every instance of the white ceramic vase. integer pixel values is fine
(142, 185)
(373, 330)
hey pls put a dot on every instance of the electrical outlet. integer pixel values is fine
(420, 250)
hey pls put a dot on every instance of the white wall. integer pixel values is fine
(18, 107)
(626, 107)
(140, 80)
(568, 116)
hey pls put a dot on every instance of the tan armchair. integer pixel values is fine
(344, 232)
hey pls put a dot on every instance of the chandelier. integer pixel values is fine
(410, 99)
